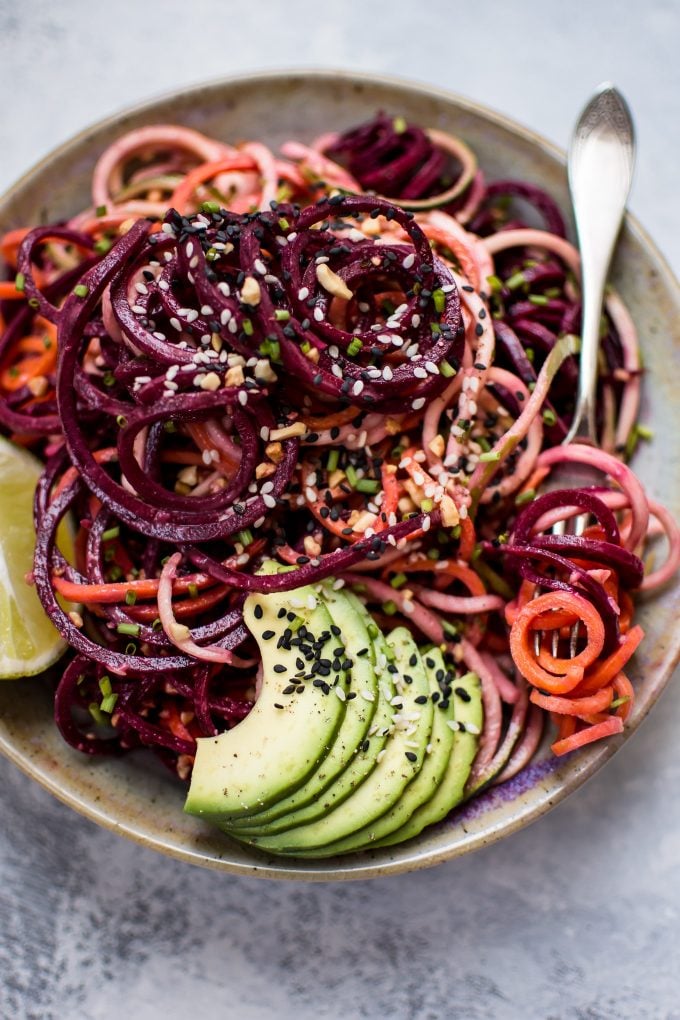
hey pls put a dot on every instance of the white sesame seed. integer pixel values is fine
(138, 310)
(367, 695)
(418, 403)
(242, 398)
(270, 502)
(318, 314)
(176, 324)
(303, 293)
(189, 249)
(420, 373)
(339, 693)
(141, 288)
(408, 261)
(260, 267)
(357, 388)
(194, 262)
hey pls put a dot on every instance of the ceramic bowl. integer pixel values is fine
(134, 796)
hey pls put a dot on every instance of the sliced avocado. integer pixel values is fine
(436, 762)
(467, 712)
(293, 723)
(363, 762)
(354, 648)
(400, 760)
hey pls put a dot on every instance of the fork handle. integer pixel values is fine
(601, 157)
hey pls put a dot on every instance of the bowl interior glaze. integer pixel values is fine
(134, 796)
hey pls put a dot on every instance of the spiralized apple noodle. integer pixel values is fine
(356, 357)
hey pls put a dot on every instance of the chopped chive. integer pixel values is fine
(439, 299)
(452, 629)
(47, 343)
(448, 371)
(96, 713)
(305, 347)
(33, 302)
(332, 462)
(105, 686)
(525, 497)
(169, 426)
(455, 531)
(103, 245)
(433, 554)
(245, 537)
(133, 629)
(495, 284)
(354, 347)
(157, 625)
(435, 328)
(100, 210)
(281, 315)
(296, 623)
(644, 431)
(490, 457)
(211, 207)
(620, 701)
(426, 505)
(372, 629)
(130, 597)
(399, 125)
(110, 533)
(115, 573)
(121, 421)
(247, 327)
(369, 485)
(193, 590)
(390, 607)
(109, 703)
(515, 281)
(530, 354)
(538, 299)
(398, 581)
(80, 290)
(283, 223)
(108, 379)
(549, 416)
(352, 477)
(484, 443)
(20, 282)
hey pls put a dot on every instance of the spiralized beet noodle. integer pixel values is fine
(357, 359)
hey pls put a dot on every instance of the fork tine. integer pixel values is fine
(557, 529)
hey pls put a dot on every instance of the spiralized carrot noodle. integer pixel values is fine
(352, 358)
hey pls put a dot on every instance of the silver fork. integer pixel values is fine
(600, 166)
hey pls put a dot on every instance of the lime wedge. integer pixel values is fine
(29, 642)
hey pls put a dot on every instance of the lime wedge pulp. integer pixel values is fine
(29, 642)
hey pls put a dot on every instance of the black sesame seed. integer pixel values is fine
(462, 694)
(267, 635)
(289, 689)
(258, 612)
(279, 668)
(421, 699)
(411, 755)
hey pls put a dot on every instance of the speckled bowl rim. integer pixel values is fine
(410, 857)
